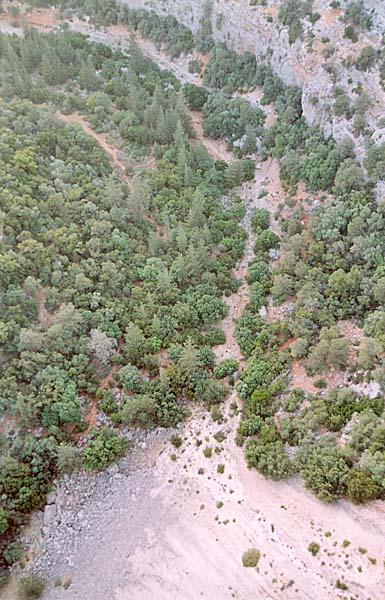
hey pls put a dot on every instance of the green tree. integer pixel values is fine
(361, 487)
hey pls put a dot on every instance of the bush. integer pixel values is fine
(260, 219)
(361, 487)
(68, 459)
(314, 548)
(207, 452)
(227, 69)
(139, 411)
(225, 368)
(104, 449)
(176, 441)
(251, 557)
(366, 58)
(269, 458)
(30, 587)
(324, 468)
(196, 96)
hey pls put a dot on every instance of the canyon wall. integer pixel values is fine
(258, 29)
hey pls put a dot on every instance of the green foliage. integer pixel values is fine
(130, 378)
(4, 524)
(105, 447)
(196, 96)
(68, 459)
(291, 13)
(269, 458)
(366, 58)
(230, 118)
(324, 468)
(207, 452)
(228, 366)
(139, 411)
(165, 32)
(176, 440)
(357, 15)
(227, 69)
(260, 219)
(361, 487)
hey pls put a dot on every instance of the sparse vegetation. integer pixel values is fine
(30, 587)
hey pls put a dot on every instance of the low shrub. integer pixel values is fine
(251, 557)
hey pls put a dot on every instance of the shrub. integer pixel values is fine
(12, 553)
(220, 436)
(104, 449)
(130, 378)
(221, 468)
(30, 587)
(269, 458)
(251, 557)
(225, 368)
(196, 96)
(207, 452)
(176, 440)
(324, 468)
(366, 58)
(320, 383)
(361, 487)
(139, 411)
(68, 459)
(314, 548)
(260, 219)
(194, 66)
(341, 585)
(216, 413)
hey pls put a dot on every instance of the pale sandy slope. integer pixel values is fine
(195, 556)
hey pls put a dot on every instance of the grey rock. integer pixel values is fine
(113, 469)
(49, 515)
(51, 498)
(263, 312)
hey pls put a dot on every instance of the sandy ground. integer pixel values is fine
(162, 532)
(201, 555)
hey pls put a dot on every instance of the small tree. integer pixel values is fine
(102, 345)
(68, 459)
(361, 487)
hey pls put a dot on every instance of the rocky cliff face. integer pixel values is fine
(316, 63)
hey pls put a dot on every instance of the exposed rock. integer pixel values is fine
(49, 514)
(246, 27)
(263, 312)
(51, 498)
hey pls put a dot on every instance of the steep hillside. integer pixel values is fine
(319, 46)
(192, 308)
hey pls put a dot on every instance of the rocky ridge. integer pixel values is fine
(316, 63)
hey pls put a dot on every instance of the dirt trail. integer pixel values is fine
(217, 148)
(101, 138)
